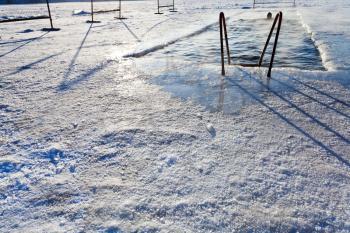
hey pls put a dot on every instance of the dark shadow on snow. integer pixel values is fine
(131, 32)
(24, 44)
(289, 121)
(320, 91)
(312, 98)
(30, 65)
(65, 84)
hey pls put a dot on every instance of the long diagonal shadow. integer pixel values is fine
(154, 26)
(312, 98)
(288, 121)
(131, 32)
(30, 65)
(325, 126)
(64, 85)
(24, 44)
(319, 91)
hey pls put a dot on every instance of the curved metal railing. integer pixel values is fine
(223, 32)
(278, 18)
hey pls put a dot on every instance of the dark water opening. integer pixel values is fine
(246, 40)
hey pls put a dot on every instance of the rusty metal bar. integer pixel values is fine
(275, 43)
(268, 39)
(223, 32)
(278, 19)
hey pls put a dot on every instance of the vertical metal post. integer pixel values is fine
(50, 17)
(222, 48)
(120, 9)
(92, 14)
(92, 10)
(173, 7)
(275, 44)
(223, 32)
(158, 12)
(48, 9)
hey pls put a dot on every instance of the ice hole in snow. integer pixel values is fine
(192, 64)
(246, 40)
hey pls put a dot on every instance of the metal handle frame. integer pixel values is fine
(278, 18)
(223, 32)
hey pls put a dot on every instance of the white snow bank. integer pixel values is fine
(330, 33)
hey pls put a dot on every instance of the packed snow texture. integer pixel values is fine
(94, 139)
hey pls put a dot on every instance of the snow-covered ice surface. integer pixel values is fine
(101, 132)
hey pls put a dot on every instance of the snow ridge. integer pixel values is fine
(320, 46)
(157, 47)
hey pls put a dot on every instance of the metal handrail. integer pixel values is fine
(278, 18)
(223, 30)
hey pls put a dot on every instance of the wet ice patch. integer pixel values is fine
(205, 86)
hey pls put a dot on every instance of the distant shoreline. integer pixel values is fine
(18, 2)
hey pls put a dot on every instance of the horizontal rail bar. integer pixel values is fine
(23, 19)
(105, 11)
(166, 6)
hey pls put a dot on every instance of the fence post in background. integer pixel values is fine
(158, 12)
(173, 9)
(92, 14)
(50, 17)
(120, 11)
